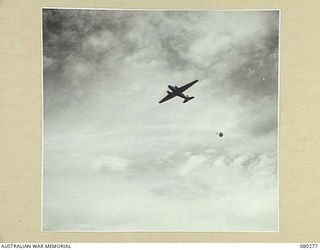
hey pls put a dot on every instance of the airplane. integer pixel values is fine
(178, 91)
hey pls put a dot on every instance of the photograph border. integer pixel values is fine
(298, 138)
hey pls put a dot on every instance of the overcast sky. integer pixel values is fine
(117, 160)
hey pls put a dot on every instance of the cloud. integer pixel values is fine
(217, 190)
(226, 192)
(111, 163)
(192, 163)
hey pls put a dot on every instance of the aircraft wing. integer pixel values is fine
(185, 87)
(167, 97)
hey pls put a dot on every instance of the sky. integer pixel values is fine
(117, 160)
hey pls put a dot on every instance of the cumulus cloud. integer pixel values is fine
(223, 192)
(192, 163)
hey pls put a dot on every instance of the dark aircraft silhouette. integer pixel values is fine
(178, 91)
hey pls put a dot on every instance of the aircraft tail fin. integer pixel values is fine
(188, 99)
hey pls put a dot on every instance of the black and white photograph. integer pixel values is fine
(160, 120)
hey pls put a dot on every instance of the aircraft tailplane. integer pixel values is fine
(188, 99)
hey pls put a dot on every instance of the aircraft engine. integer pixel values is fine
(171, 87)
(169, 92)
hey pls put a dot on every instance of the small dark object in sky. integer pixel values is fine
(220, 134)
